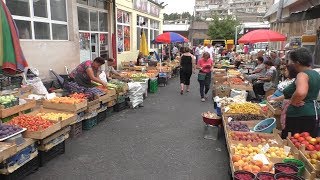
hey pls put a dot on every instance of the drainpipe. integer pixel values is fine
(280, 9)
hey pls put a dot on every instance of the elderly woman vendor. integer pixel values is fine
(87, 72)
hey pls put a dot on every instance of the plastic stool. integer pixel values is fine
(211, 132)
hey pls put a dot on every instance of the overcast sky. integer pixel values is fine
(179, 6)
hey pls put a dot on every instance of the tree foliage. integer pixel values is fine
(176, 16)
(222, 27)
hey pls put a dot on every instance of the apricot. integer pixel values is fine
(236, 158)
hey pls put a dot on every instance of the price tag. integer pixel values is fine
(287, 150)
(229, 119)
(51, 96)
(226, 109)
(265, 148)
(261, 157)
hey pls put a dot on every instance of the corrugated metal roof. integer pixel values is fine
(274, 8)
(176, 27)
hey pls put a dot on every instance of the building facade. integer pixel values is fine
(58, 34)
(297, 19)
(132, 18)
(244, 10)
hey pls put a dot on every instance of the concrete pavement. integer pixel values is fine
(161, 141)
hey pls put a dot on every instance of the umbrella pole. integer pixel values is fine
(161, 57)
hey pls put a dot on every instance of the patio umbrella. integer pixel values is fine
(143, 44)
(170, 37)
(13, 60)
(262, 35)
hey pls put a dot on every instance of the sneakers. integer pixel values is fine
(203, 99)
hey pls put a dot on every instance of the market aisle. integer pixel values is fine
(163, 140)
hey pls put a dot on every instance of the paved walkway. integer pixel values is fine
(161, 141)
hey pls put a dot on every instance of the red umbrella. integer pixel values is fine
(170, 37)
(262, 35)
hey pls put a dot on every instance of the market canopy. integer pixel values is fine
(262, 35)
(12, 59)
(170, 37)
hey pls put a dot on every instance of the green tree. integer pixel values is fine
(222, 27)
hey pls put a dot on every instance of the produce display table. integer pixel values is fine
(6, 112)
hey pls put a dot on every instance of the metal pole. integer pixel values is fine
(236, 37)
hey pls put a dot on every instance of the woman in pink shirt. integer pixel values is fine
(205, 66)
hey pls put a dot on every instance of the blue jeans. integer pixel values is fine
(205, 85)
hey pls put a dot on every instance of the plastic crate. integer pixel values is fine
(19, 174)
(109, 112)
(20, 158)
(89, 123)
(8, 82)
(120, 107)
(121, 98)
(76, 130)
(153, 85)
(46, 156)
(101, 116)
(162, 81)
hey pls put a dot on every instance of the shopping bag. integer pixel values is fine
(202, 76)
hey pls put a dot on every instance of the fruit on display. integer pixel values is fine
(117, 85)
(265, 176)
(7, 130)
(32, 123)
(250, 165)
(285, 168)
(78, 96)
(235, 81)
(244, 108)
(310, 143)
(247, 150)
(246, 117)
(233, 72)
(55, 116)
(248, 137)
(65, 100)
(277, 152)
(210, 115)
(244, 177)
(9, 101)
(238, 126)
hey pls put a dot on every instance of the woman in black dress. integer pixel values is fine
(188, 66)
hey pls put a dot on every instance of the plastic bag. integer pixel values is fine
(38, 86)
(235, 93)
(103, 77)
(136, 91)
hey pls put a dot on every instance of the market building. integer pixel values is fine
(180, 26)
(299, 20)
(133, 17)
(59, 34)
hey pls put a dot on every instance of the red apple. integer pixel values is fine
(310, 147)
(301, 139)
(306, 143)
(313, 141)
(296, 135)
(317, 147)
(305, 134)
(297, 144)
(308, 138)
(294, 140)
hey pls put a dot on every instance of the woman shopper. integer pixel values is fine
(187, 64)
(290, 73)
(205, 66)
(302, 113)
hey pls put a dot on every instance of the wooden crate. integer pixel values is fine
(111, 103)
(6, 112)
(275, 111)
(44, 133)
(65, 107)
(108, 99)
(7, 150)
(63, 123)
(46, 144)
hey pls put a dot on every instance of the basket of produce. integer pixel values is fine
(243, 108)
(238, 126)
(283, 176)
(211, 118)
(243, 175)
(286, 168)
(265, 176)
(265, 126)
(297, 163)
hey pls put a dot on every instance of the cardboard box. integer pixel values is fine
(65, 107)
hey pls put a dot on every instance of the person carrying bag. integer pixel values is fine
(205, 66)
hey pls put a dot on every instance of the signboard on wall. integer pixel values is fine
(295, 42)
(147, 7)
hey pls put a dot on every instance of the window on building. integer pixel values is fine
(142, 26)
(123, 30)
(94, 3)
(92, 20)
(154, 32)
(34, 22)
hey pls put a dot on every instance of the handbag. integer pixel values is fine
(202, 76)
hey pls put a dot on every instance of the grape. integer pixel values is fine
(246, 117)
(238, 126)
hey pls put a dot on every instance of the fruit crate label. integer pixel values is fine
(287, 150)
(261, 157)
(265, 148)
